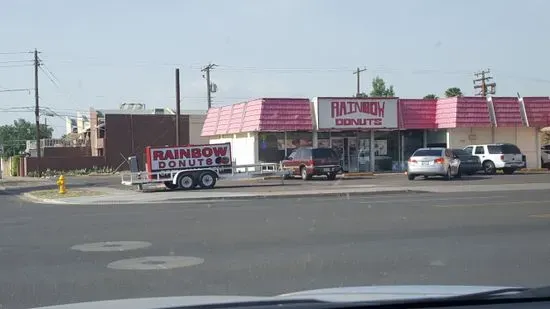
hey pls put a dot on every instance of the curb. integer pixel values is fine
(29, 197)
(188, 200)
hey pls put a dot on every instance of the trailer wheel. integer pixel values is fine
(187, 181)
(207, 180)
(170, 185)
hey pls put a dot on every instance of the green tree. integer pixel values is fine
(430, 96)
(14, 136)
(453, 92)
(379, 88)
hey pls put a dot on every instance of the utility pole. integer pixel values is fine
(481, 82)
(358, 73)
(37, 113)
(178, 101)
(207, 69)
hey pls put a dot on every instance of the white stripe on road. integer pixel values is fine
(502, 203)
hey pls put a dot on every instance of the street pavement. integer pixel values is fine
(270, 246)
(114, 192)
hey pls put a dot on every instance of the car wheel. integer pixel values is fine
(508, 171)
(410, 176)
(331, 176)
(303, 173)
(448, 176)
(489, 168)
(459, 174)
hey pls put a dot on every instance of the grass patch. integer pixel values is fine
(53, 194)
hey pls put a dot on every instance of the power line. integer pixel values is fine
(16, 90)
(15, 53)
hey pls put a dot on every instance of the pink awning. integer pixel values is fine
(507, 111)
(261, 115)
(538, 111)
(417, 113)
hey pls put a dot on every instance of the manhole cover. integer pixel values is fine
(111, 246)
(156, 262)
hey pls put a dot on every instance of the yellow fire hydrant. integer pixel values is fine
(61, 184)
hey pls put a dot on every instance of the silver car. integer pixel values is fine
(433, 162)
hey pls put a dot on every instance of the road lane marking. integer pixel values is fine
(155, 263)
(110, 246)
(543, 216)
(432, 199)
(503, 203)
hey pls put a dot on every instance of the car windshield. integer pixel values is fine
(322, 153)
(428, 153)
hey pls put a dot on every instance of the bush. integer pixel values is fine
(78, 172)
(15, 163)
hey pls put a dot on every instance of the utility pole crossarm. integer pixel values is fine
(482, 83)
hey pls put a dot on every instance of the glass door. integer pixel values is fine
(337, 144)
(347, 150)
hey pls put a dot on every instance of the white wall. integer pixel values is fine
(244, 147)
(195, 128)
(524, 138)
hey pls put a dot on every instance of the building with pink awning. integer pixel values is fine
(376, 134)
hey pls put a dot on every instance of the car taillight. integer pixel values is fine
(439, 161)
(310, 163)
(412, 161)
(502, 157)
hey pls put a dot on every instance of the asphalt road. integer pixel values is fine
(267, 247)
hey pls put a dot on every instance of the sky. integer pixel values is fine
(103, 53)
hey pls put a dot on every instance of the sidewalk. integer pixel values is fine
(115, 196)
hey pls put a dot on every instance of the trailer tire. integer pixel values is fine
(170, 185)
(187, 181)
(207, 180)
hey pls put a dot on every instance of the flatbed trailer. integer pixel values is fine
(191, 166)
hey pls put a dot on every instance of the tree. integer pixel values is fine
(430, 96)
(379, 88)
(453, 92)
(14, 137)
(361, 95)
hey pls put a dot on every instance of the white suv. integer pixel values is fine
(493, 157)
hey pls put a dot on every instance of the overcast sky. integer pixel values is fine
(103, 53)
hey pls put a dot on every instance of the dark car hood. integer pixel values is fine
(346, 294)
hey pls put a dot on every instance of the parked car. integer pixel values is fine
(545, 156)
(469, 164)
(433, 162)
(493, 157)
(309, 162)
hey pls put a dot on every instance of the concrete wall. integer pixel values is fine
(244, 147)
(66, 152)
(524, 138)
(128, 135)
(195, 127)
(62, 164)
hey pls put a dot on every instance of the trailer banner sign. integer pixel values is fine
(188, 157)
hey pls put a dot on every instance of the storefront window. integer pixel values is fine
(386, 151)
(323, 139)
(436, 138)
(298, 139)
(271, 147)
(412, 140)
